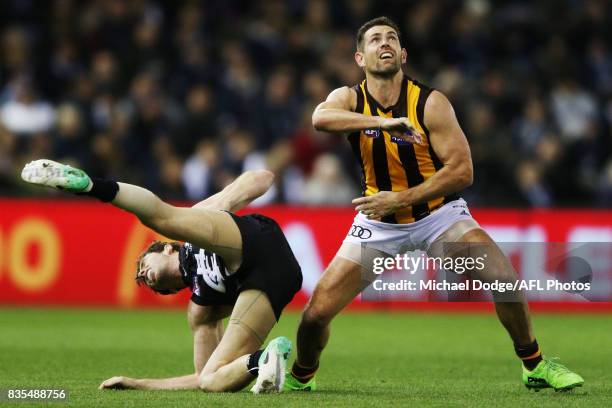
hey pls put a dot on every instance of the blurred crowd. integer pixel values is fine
(182, 96)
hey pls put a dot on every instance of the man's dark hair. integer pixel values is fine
(378, 21)
(156, 246)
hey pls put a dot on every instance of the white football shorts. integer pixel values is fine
(451, 221)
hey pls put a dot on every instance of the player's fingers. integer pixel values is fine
(361, 200)
(412, 136)
(371, 213)
(406, 123)
(411, 129)
(374, 215)
(364, 207)
(416, 136)
(113, 382)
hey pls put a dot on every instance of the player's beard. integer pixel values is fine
(383, 70)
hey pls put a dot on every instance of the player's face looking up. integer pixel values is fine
(380, 51)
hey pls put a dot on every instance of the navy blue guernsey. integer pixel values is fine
(204, 272)
(268, 265)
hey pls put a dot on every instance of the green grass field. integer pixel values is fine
(373, 359)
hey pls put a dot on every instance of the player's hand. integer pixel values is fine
(402, 129)
(118, 383)
(378, 205)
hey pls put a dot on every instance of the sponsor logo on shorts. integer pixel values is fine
(464, 210)
(360, 232)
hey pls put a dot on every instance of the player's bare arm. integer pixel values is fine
(206, 323)
(185, 223)
(246, 188)
(335, 115)
(450, 145)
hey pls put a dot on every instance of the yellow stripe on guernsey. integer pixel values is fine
(368, 165)
(422, 151)
(390, 165)
(399, 181)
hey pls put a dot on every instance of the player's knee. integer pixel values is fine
(324, 304)
(507, 274)
(499, 270)
(317, 314)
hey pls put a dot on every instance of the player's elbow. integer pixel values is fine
(466, 176)
(319, 120)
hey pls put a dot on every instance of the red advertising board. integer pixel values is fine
(82, 253)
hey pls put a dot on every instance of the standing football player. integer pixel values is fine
(415, 161)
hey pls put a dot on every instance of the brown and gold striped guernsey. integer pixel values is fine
(392, 165)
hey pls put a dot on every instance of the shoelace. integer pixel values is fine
(556, 368)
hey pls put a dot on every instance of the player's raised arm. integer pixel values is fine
(246, 188)
(336, 115)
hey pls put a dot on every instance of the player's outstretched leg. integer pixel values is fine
(57, 175)
(272, 364)
(208, 228)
